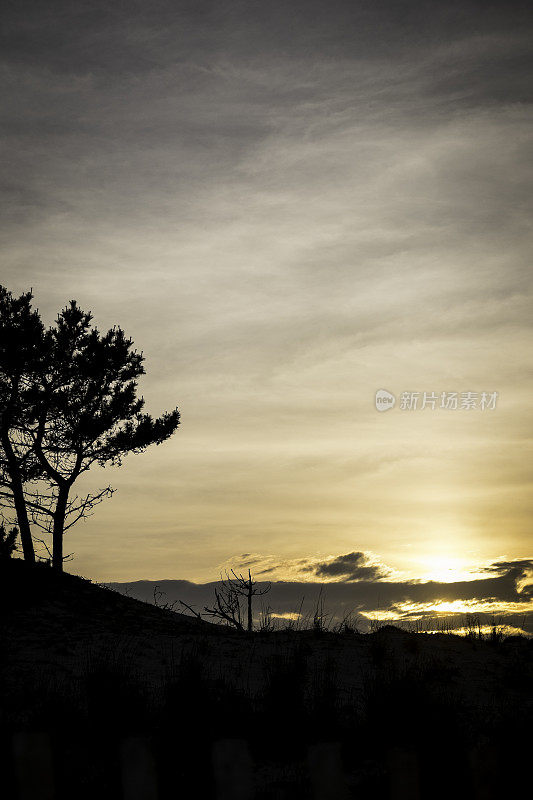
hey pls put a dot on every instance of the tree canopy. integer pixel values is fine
(68, 401)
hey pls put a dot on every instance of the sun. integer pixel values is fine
(443, 568)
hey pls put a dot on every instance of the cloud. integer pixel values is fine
(520, 567)
(285, 204)
(519, 570)
(350, 567)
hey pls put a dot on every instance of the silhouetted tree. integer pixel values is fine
(21, 351)
(78, 407)
(8, 541)
(87, 411)
(229, 597)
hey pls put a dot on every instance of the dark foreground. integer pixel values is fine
(102, 696)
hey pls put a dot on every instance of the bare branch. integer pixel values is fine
(42, 541)
(191, 609)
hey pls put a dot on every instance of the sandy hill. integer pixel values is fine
(40, 600)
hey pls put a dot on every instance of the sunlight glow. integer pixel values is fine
(444, 568)
(443, 607)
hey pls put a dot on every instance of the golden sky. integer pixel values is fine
(285, 221)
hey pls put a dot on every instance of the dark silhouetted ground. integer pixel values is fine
(103, 696)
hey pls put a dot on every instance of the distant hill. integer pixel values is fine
(356, 599)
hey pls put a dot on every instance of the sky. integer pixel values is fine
(289, 206)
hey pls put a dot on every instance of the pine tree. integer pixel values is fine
(76, 407)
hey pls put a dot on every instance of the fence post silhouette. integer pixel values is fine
(139, 781)
(233, 770)
(34, 769)
(328, 780)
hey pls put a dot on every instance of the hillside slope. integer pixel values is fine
(40, 599)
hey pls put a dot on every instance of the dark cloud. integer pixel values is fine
(517, 570)
(350, 567)
(137, 35)
(520, 567)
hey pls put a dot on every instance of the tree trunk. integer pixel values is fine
(58, 529)
(23, 524)
(19, 500)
